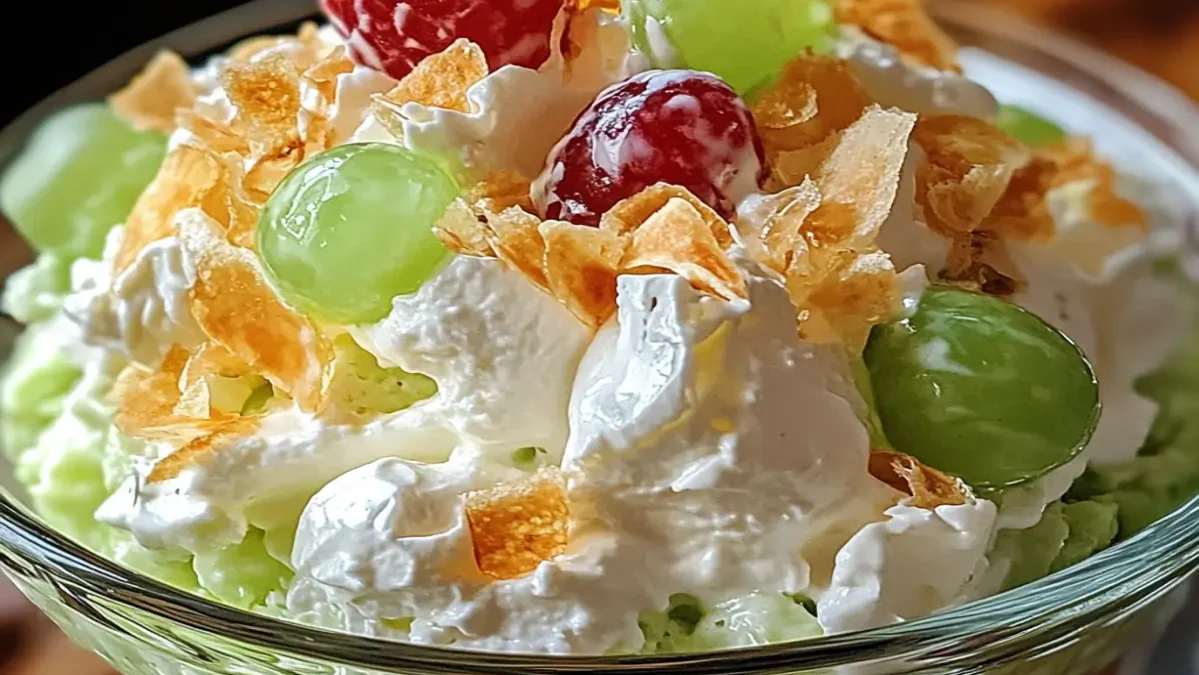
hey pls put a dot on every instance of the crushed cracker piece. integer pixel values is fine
(151, 99)
(928, 488)
(678, 238)
(237, 309)
(516, 526)
(197, 450)
(462, 231)
(498, 191)
(515, 238)
(906, 25)
(442, 80)
(266, 93)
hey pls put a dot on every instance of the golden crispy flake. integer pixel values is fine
(266, 93)
(152, 98)
(927, 487)
(462, 231)
(968, 167)
(238, 310)
(322, 75)
(580, 269)
(441, 80)
(904, 24)
(813, 99)
(499, 191)
(514, 527)
(679, 239)
(629, 214)
(189, 177)
(515, 238)
(212, 134)
(821, 234)
(196, 450)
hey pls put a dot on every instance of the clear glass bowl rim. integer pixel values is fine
(1105, 587)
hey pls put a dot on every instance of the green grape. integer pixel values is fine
(1029, 126)
(242, 575)
(351, 229)
(745, 43)
(80, 174)
(979, 388)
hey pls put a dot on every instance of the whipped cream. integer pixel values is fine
(893, 80)
(502, 352)
(676, 477)
(142, 311)
(489, 339)
(914, 563)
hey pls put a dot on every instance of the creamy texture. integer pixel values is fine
(893, 80)
(487, 336)
(676, 478)
(141, 312)
(914, 563)
(502, 352)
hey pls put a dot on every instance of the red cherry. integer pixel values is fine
(393, 36)
(681, 127)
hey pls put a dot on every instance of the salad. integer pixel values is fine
(585, 327)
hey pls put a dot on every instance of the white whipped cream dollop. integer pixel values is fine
(143, 310)
(893, 80)
(914, 563)
(711, 452)
(502, 352)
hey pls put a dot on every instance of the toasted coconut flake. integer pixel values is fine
(499, 191)
(629, 214)
(515, 238)
(677, 238)
(927, 487)
(189, 177)
(814, 98)
(580, 269)
(904, 24)
(441, 80)
(238, 310)
(151, 100)
(266, 93)
(516, 526)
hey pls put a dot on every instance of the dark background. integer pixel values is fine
(90, 37)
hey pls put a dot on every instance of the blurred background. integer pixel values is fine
(1160, 36)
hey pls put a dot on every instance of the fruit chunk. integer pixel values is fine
(352, 228)
(981, 389)
(79, 175)
(1029, 127)
(393, 36)
(680, 127)
(745, 43)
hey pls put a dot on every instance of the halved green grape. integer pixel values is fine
(744, 43)
(352, 228)
(1029, 127)
(979, 388)
(79, 175)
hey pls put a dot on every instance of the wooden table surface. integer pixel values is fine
(1161, 36)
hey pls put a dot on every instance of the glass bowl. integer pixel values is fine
(1079, 622)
